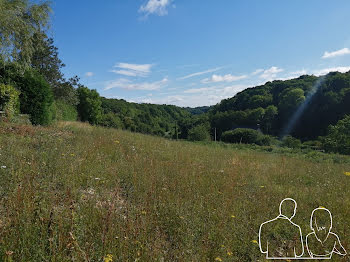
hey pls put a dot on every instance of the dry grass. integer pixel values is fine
(77, 193)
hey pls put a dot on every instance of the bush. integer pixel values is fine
(338, 138)
(63, 111)
(9, 100)
(111, 120)
(291, 142)
(36, 98)
(243, 135)
(199, 133)
(89, 106)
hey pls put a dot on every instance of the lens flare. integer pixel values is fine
(294, 119)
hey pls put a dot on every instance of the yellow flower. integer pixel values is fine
(233, 216)
(262, 186)
(321, 207)
(229, 253)
(116, 141)
(144, 213)
(254, 241)
(218, 259)
(72, 154)
(108, 258)
(347, 173)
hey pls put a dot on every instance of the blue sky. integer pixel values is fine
(195, 53)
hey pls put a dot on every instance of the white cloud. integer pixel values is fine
(129, 85)
(341, 52)
(341, 69)
(271, 73)
(200, 73)
(257, 71)
(89, 74)
(126, 69)
(156, 7)
(223, 78)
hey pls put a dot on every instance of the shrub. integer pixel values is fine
(111, 120)
(89, 106)
(199, 133)
(242, 135)
(9, 100)
(291, 142)
(36, 98)
(338, 138)
(63, 111)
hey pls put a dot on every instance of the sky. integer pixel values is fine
(197, 52)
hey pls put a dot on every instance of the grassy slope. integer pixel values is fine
(75, 192)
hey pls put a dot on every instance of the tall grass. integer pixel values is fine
(73, 192)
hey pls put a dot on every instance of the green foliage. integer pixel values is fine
(89, 106)
(245, 136)
(46, 61)
(291, 142)
(9, 100)
(199, 133)
(338, 138)
(63, 111)
(111, 120)
(19, 21)
(36, 98)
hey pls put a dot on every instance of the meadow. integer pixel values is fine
(73, 192)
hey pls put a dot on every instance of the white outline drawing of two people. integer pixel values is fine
(280, 238)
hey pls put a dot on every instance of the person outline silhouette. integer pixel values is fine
(321, 242)
(280, 238)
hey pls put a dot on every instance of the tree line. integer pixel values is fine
(32, 82)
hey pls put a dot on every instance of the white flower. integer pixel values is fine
(3, 167)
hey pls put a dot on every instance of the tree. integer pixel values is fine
(199, 133)
(36, 98)
(45, 59)
(19, 21)
(89, 106)
(9, 100)
(241, 135)
(338, 138)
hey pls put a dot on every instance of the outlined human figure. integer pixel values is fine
(280, 238)
(322, 243)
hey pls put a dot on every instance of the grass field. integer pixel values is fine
(73, 192)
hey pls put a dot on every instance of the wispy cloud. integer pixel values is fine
(341, 52)
(223, 78)
(156, 7)
(89, 74)
(200, 73)
(126, 69)
(341, 69)
(257, 71)
(271, 73)
(129, 85)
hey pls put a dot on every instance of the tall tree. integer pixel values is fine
(19, 21)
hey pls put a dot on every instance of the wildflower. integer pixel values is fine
(233, 216)
(321, 207)
(222, 246)
(229, 253)
(116, 141)
(9, 253)
(72, 154)
(108, 258)
(144, 213)
(3, 167)
(218, 259)
(181, 217)
(262, 186)
(254, 241)
(347, 173)
(97, 178)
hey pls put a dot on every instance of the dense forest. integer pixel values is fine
(304, 109)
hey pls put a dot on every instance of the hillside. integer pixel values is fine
(77, 192)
